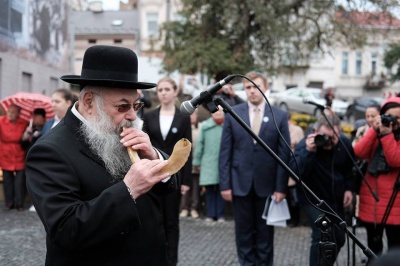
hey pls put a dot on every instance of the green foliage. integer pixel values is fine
(239, 35)
(392, 58)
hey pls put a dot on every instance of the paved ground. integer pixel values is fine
(22, 242)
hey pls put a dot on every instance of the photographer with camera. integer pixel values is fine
(33, 131)
(326, 168)
(381, 147)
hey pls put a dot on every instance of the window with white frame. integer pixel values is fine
(358, 63)
(152, 24)
(345, 63)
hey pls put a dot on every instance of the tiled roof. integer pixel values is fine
(371, 19)
(106, 22)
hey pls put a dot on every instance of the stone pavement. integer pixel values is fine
(22, 242)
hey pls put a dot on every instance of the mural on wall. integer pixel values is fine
(37, 30)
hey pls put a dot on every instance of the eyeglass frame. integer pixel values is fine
(123, 108)
(136, 106)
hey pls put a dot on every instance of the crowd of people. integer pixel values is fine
(99, 208)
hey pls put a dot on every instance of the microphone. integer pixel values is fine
(320, 106)
(188, 107)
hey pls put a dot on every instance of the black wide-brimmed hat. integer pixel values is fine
(109, 66)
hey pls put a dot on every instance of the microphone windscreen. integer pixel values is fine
(187, 108)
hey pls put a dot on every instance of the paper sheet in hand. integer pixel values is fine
(276, 214)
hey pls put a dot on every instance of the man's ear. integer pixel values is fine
(88, 102)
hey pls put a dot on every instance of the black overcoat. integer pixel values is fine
(90, 220)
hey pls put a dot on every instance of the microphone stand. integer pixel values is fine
(354, 219)
(348, 153)
(335, 218)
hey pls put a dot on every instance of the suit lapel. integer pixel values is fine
(156, 120)
(265, 120)
(175, 127)
(244, 114)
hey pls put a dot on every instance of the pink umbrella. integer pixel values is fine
(28, 102)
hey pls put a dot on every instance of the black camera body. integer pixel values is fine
(34, 129)
(386, 119)
(322, 140)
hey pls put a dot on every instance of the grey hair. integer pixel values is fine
(329, 120)
(97, 91)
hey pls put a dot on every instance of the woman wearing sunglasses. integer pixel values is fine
(165, 126)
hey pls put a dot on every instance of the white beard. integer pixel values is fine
(103, 138)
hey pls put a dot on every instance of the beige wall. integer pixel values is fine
(82, 43)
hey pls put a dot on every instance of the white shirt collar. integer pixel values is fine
(261, 106)
(77, 114)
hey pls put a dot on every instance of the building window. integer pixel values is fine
(53, 84)
(345, 63)
(117, 41)
(26, 82)
(358, 63)
(152, 24)
(374, 58)
(92, 40)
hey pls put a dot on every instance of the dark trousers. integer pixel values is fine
(170, 208)
(338, 236)
(254, 238)
(375, 233)
(190, 201)
(294, 206)
(215, 204)
(14, 188)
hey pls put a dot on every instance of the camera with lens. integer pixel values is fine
(322, 140)
(386, 119)
(35, 129)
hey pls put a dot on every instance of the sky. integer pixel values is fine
(114, 5)
(111, 4)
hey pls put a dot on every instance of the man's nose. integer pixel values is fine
(131, 115)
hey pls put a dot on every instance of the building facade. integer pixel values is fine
(99, 27)
(353, 72)
(35, 45)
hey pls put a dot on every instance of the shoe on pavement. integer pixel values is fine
(194, 214)
(184, 213)
(221, 220)
(32, 209)
(209, 220)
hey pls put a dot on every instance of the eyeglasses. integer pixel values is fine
(123, 108)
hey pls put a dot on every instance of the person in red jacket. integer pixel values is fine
(381, 146)
(12, 157)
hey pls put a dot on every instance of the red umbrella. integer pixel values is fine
(28, 102)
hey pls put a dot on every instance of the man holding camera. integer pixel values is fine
(326, 168)
(381, 147)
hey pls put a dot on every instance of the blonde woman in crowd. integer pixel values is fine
(165, 126)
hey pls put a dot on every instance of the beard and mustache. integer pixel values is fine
(102, 136)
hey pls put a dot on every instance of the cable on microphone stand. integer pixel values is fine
(211, 105)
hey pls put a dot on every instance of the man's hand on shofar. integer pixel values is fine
(140, 142)
(143, 175)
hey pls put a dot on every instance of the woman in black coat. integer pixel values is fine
(165, 126)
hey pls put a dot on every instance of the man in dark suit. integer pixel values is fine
(96, 207)
(249, 174)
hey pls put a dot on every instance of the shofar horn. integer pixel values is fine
(176, 161)
(178, 158)
(133, 155)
